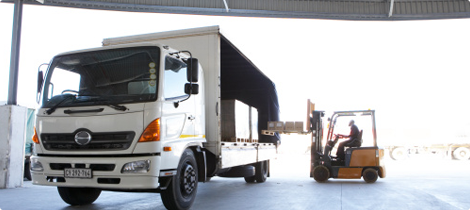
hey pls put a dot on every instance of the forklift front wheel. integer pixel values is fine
(321, 173)
(370, 175)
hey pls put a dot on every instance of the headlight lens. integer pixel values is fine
(36, 166)
(141, 166)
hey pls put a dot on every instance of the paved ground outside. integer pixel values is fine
(424, 182)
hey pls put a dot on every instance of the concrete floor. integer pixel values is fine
(417, 183)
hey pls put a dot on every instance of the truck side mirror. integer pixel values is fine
(191, 89)
(192, 72)
(41, 76)
(40, 81)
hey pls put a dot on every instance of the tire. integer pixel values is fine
(182, 190)
(370, 175)
(398, 153)
(261, 173)
(27, 172)
(321, 173)
(461, 153)
(250, 179)
(78, 196)
(262, 169)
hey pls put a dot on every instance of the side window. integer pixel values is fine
(175, 78)
(63, 80)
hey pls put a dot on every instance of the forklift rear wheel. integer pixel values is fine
(370, 175)
(321, 173)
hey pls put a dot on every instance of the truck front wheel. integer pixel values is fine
(78, 196)
(181, 192)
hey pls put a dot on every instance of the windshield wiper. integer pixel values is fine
(97, 100)
(52, 109)
(106, 102)
(116, 106)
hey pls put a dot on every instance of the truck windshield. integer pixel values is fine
(102, 77)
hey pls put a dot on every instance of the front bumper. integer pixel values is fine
(106, 172)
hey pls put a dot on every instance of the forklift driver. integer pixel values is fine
(351, 142)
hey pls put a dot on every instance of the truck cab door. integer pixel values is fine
(179, 110)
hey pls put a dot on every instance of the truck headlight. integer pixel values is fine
(36, 166)
(141, 166)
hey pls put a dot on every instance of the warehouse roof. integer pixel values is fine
(317, 9)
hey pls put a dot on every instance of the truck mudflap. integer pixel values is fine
(103, 172)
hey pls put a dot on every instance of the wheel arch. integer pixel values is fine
(199, 155)
(373, 167)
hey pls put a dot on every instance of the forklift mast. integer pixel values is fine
(316, 128)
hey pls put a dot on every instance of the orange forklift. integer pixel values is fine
(360, 161)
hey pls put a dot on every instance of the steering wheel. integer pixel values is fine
(71, 91)
(332, 142)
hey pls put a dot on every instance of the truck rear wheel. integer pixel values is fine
(370, 175)
(261, 172)
(78, 196)
(321, 173)
(182, 190)
(461, 153)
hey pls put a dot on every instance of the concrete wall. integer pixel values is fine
(12, 145)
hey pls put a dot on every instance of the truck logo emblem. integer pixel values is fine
(82, 138)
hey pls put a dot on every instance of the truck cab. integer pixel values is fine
(125, 105)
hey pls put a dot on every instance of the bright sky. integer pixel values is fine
(414, 73)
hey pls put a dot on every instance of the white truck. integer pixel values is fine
(145, 113)
(445, 142)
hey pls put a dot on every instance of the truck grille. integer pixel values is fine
(94, 167)
(99, 141)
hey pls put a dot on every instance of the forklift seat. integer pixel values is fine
(357, 142)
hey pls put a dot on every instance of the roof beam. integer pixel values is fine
(315, 9)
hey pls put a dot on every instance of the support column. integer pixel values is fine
(12, 117)
(12, 141)
(15, 53)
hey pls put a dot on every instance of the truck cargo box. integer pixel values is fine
(239, 122)
(228, 74)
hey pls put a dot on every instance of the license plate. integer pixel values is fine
(84, 173)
